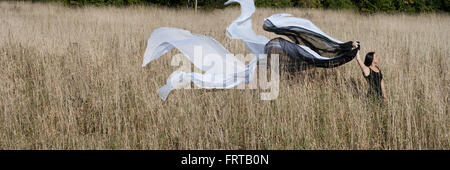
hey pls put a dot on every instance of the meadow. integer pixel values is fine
(71, 78)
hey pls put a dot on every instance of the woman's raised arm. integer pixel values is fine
(364, 68)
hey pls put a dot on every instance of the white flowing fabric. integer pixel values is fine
(241, 28)
(221, 68)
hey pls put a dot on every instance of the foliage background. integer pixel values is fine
(367, 6)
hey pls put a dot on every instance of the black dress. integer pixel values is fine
(374, 80)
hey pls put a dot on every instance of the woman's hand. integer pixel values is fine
(355, 44)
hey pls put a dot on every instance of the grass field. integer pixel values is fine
(71, 78)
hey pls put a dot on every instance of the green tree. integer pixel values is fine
(338, 4)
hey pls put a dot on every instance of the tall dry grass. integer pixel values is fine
(71, 79)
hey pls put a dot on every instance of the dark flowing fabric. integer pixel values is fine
(296, 57)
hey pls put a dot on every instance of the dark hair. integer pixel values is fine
(369, 59)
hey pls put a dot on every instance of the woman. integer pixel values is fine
(373, 76)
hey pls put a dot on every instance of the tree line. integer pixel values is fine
(369, 6)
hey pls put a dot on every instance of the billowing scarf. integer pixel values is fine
(222, 70)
